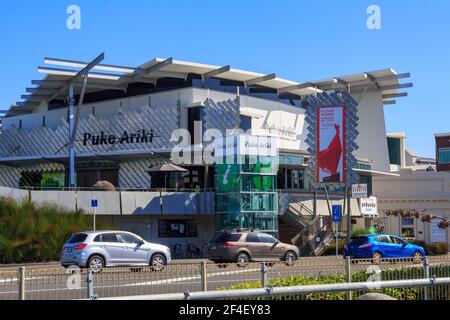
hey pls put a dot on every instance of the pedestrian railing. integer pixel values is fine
(66, 284)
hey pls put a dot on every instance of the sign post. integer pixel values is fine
(337, 217)
(94, 205)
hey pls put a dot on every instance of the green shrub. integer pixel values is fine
(437, 293)
(30, 233)
(359, 232)
(439, 248)
(331, 248)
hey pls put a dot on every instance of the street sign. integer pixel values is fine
(336, 213)
(94, 203)
(359, 191)
(369, 207)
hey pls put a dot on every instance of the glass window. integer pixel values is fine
(384, 239)
(444, 155)
(408, 221)
(246, 123)
(128, 238)
(77, 238)
(394, 150)
(266, 238)
(110, 237)
(253, 238)
(227, 237)
(194, 115)
(359, 240)
(98, 238)
(177, 229)
(397, 240)
(294, 160)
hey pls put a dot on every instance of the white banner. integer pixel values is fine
(437, 234)
(369, 207)
(359, 191)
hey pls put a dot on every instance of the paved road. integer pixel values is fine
(54, 283)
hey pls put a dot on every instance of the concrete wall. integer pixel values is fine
(120, 203)
(147, 227)
(372, 132)
(16, 194)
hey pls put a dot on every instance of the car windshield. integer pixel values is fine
(77, 238)
(358, 240)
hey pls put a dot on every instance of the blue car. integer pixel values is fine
(379, 246)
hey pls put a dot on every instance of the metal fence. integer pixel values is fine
(57, 283)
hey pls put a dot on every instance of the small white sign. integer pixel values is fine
(437, 234)
(359, 191)
(369, 207)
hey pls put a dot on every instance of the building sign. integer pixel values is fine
(369, 207)
(437, 234)
(141, 136)
(359, 191)
(283, 131)
(331, 135)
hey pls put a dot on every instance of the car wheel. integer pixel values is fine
(290, 258)
(158, 262)
(243, 259)
(417, 257)
(377, 257)
(96, 264)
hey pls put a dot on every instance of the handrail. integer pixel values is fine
(295, 290)
(305, 229)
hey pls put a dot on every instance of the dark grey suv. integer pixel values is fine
(245, 246)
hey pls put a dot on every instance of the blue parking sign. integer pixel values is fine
(336, 213)
(94, 203)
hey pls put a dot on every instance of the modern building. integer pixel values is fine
(415, 185)
(126, 125)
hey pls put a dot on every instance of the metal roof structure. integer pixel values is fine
(58, 72)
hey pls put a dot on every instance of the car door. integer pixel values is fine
(135, 251)
(385, 246)
(255, 246)
(400, 250)
(115, 249)
(269, 247)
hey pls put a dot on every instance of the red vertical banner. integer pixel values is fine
(331, 144)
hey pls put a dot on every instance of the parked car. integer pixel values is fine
(245, 246)
(379, 246)
(99, 249)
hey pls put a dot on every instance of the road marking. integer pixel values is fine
(184, 279)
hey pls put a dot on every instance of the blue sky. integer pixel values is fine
(299, 40)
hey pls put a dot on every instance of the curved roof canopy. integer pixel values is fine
(58, 73)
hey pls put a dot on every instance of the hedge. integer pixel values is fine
(436, 293)
(30, 233)
(439, 248)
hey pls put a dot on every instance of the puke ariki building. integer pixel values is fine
(125, 125)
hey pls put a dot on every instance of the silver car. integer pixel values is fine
(98, 249)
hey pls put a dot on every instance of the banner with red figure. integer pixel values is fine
(331, 142)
